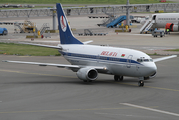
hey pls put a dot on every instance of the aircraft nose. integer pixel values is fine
(152, 68)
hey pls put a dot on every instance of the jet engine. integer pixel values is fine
(87, 74)
(172, 27)
(151, 76)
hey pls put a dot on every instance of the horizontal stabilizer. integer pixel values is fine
(86, 42)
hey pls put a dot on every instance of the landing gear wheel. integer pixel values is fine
(141, 83)
(5, 32)
(121, 78)
(116, 78)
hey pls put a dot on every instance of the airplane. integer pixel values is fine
(162, 20)
(89, 60)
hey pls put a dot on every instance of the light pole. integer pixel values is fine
(127, 13)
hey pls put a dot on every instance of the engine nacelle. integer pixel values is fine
(87, 74)
(151, 76)
(172, 27)
(175, 28)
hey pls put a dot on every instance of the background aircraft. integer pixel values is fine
(89, 60)
(162, 20)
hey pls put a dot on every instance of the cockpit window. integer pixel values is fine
(144, 60)
(139, 60)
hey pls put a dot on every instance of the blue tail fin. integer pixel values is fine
(66, 36)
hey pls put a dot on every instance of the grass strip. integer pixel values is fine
(80, 1)
(176, 50)
(26, 50)
(36, 7)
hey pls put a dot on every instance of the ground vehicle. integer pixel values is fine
(3, 31)
(156, 33)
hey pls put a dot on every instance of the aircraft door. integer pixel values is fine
(129, 59)
(98, 58)
(97, 61)
(154, 18)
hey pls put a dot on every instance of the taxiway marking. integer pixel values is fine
(150, 87)
(36, 73)
(64, 110)
(150, 109)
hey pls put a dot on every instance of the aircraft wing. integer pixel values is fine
(56, 47)
(164, 58)
(71, 67)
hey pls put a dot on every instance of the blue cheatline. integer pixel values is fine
(101, 58)
(66, 36)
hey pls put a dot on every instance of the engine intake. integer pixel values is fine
(87, 74)
(151, 76)
(172, 27)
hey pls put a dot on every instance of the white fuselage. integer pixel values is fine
(118, 61)
(163, 18)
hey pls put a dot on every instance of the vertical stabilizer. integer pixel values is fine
(66, 36)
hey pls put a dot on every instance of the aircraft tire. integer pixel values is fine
(116, 78)
(5, 32)
(141, 83)
(121, 78)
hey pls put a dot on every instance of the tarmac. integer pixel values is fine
(43, 93)
(32, 92)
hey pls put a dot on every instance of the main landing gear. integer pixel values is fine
(118, 78)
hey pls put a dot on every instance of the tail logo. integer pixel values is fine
(63, 23)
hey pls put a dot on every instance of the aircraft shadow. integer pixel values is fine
(130, 82)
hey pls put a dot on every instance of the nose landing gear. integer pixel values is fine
(141, 83)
